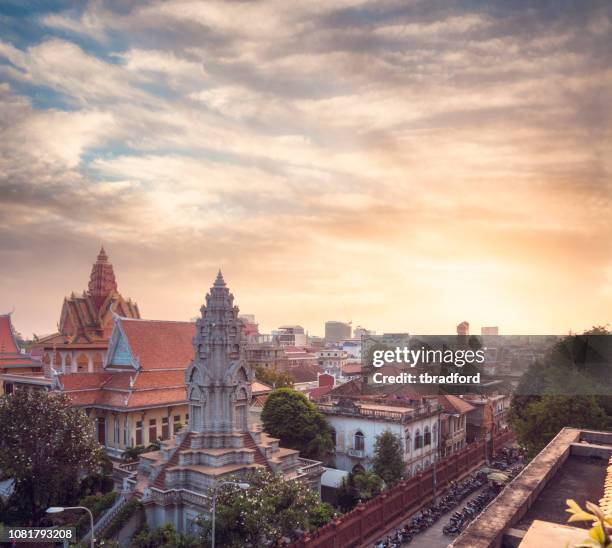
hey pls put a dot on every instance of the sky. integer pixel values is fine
(402, 165)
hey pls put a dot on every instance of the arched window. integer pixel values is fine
(418, 440)
(408, 441)
(435, 434)
(427, 436)
(333, 437)
(359, 444)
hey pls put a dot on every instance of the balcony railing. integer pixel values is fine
(356, 453)
(175, 496)
(357, 410)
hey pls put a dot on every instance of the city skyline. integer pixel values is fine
(403, 165)
(266, 327)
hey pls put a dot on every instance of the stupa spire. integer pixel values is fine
(219, 378)
(102, 280)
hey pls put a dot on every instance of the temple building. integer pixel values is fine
(15, 364)
(86, 323)
(218, 441)
(139, 395)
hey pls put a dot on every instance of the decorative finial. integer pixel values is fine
(102, 256)
(219, 282)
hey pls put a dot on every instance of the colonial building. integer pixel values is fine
(15, 364)
(489, 415)
(357, 424)
(174, 483)
(453, 423)
(86, 323)
(272, 355)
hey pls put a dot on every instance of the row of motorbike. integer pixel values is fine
(456, 492)
(460, 519)
(507, 461)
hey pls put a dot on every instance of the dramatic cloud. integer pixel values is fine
(406, 165)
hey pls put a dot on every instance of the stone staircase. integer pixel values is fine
(249, 443)
(160, 480)
(105, 519)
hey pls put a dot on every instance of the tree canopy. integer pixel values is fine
(291, 417)
(274, 378)
(568, 388)
(271, 508)
(47, 447)
(388, 460)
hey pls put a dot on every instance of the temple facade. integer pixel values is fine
(218, 442)
(86, 323)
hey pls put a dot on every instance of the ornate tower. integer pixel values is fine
(219, 378)
(102, 281)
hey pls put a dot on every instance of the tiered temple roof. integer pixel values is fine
(87, 318)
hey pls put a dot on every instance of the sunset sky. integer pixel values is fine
(405, 165)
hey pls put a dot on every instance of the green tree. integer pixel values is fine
(291, 417)
(369, 485)
(131, 454)
(271, 508)
(165, 536)
(542, 420)
(321, 514)
(274, 378)
(348, 495)
(560, 391)
(388, 460)
(45, 446)
(356, 487)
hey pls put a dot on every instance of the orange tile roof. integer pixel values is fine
(258, 387)
(125, 389)
(10, 353)
(83, 381)
(454, 404)
(305, 373)
(8, 344)
(259, 401)
(351, 369)
(160, 344)
(319, 392)
(159, 379)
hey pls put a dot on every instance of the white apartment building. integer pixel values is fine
(357, 424)
(331, 360)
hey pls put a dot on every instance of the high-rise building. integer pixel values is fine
(337, 331)
(359, 332)
(291, 335)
